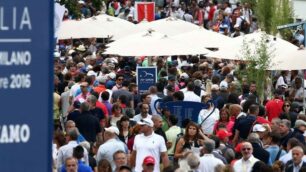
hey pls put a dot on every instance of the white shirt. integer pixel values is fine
(245, 166)
(191, 96)
(187, 17)
(107, 150)
(298, 167)
(287, 157)
(138, 117)
(154, 97)
(144, 146)
(66, 151)
(228, 10)
(65, 102)
(209, 123)
(280, 81)
(74, 89)
(171, 135)
(208, 162)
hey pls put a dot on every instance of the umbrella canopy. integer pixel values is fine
(102, 26)
(169, 26)
(290, 61)
(72, 29)
(277, 47)
(152, 44)
(204, 37)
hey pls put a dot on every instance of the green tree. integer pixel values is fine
(257, 63)
(73, 7)
(265, 12)
(272, 13)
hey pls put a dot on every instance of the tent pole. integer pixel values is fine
(303, 91)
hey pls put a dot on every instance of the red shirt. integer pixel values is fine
(102, 107)
(100, 88)
(274, 108)
(262, 120)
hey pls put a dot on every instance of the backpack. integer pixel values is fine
(244, 26)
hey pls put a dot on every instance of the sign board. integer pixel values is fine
(185, 110)
(145, 10)
(26, 79)
(146, 77)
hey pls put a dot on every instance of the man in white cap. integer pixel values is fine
(148, 143)
(110, 146)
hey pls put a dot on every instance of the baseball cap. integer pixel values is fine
(214, 87)
(149, 160)
(258, 128)
(221, 134)
(184, 75)
(299, 123)
(102, 79)
(146, 121)
(113, 130)
(91, 73)
(223, 85)
(112, 75)
(197, 82)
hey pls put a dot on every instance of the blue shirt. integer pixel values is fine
(81, 167)
(273, 150)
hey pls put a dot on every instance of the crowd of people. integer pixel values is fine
(97, 106)
(103, 124)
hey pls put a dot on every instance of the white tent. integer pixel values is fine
(152, 44)
(295, 60)
(102, 26)
(204, 37)
(169, 26)
(277, 47)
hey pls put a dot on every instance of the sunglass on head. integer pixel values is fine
(144, 121)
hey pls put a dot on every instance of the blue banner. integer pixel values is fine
(184, 110)
(26, 82)
(146, 77)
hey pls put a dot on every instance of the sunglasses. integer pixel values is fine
(144, 122)
(287, 105)
(244, 149)
(120, 79)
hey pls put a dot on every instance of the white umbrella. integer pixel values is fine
(205, 38)
(277, 47)
(295, 60)
(102, 26)
(225, 53)
(152, 44)
(169, 26)
(72, 29)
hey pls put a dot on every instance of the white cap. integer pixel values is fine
(146, 121)
(71, 51)
(258, 128)
(223, 85)
(113, 130)
(57, 54)
(185, 75)
(91, 73)
(215, 87)
(102, 79)
(112, 75)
